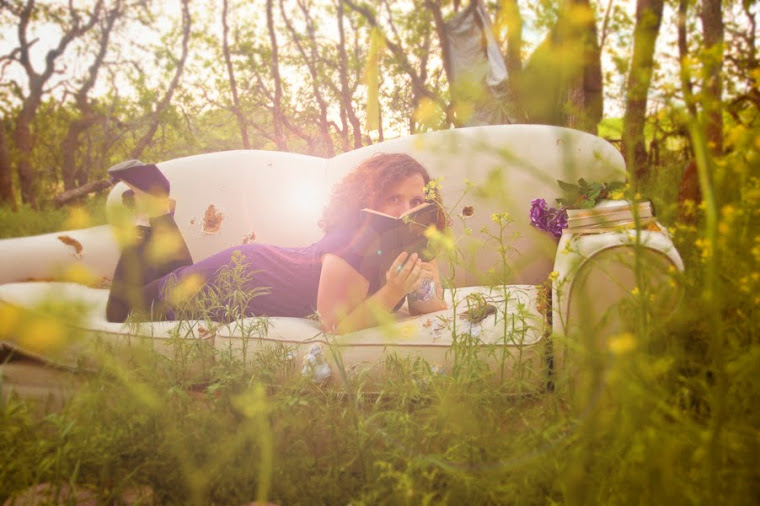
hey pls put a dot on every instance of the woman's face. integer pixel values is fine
(405, 195)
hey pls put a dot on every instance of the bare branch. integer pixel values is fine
(24, 16)
(346, 92)
(418, 85)
(683, 53)
(277, 115)
(231, 75)
(74, 174)
(146, 139)
(310, 61)
(605, 24)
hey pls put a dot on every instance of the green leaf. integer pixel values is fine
(568, 187)
(615, 186)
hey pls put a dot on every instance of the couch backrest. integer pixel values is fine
(232, 197)
(228, 198)
(510, 165)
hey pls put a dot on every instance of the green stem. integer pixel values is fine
(705, 167)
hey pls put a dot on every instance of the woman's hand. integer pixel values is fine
(342, 300)
(405, 274)
(427, 296)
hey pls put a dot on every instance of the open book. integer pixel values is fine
(385, 236)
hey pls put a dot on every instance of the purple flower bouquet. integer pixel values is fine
(550, 219)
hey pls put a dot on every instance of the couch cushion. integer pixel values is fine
(87, 256)
(515, 330)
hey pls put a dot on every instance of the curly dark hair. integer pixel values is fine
(366, 185)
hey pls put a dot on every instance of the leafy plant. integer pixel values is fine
(585, 195)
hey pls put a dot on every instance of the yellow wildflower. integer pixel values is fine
(9, 319)
(438, 240)
(501, 218)
(736, 136)
(78, 273)
(433, 189)
(163, 247)
(616, 195)
(705, 246)
(77, 218)
(755, 74)
(427, 112)
(622, 344)
(43, 334)
(185, 289)
(756, 253)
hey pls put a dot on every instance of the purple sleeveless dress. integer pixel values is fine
(289, 276)
(277, 281)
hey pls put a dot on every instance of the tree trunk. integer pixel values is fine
(712, 27)
(72, 174)
(24, 144)
(69, 148)
(605, 25)
(7, 196)
(683, 53)
(443, 39)
(514, 23)
(347, 106)
(23, 134)
(233, 84)
(440, 28)
(585, 93)
(561, 83)
(648, 19)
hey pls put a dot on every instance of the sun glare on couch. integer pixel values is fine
(307, 198)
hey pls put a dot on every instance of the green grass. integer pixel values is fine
(26, 221)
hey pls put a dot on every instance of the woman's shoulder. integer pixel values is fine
(338, 237)
(343, 242)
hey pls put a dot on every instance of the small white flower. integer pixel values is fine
(315, 365)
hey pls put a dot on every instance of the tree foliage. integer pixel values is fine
(86, 87)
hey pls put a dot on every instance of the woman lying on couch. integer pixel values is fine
(327, 277)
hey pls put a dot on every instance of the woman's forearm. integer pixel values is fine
(372, 311)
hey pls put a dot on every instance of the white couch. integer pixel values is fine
(227, 198)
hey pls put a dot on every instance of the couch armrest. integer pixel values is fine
(88, 256)
(601, 276)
